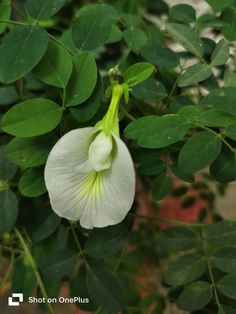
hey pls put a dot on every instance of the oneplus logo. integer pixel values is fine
(15, 299)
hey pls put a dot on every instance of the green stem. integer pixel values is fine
(13, 22)
(61, 44)
(9, 269)
(7, 248)
(127, 114)
(205, 249)
(171, 221)
(35, 269)
(78, 245)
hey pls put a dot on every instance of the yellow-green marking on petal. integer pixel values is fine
(92, 185)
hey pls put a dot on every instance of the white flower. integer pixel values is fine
(90, 174)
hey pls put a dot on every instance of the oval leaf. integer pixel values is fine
(30, 152)
(83, 79)
(195, 296)
(44, 9)
(199, 151)
(32, 117)
(195, 74)
(104, 289)
(185, 270)
(137, 73)
(56, 66)
(18, 52)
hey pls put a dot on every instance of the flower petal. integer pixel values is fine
(63, 174)
(100, 152)
(117, 188)
(78, 192)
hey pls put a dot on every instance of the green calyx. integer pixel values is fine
(110, 122)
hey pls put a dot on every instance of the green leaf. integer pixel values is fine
(86, 111)
(178, 239)
(152, 167)
(44, 9)
(8, 95)
(230, 131)
(185, 270)
(182, 13)
(137, 127)
(32, 183)
(30, 152)
(219, 5)
(58, 264)
(130, 20)
(137, 73)
(161, 187)
(104, 289)
(105, 9)
(226, 285)
(194, 74)
(149, 91)
(214, 118)
(92, 29)
(226, 103)
(115, 35)
(223, 169)
(163, 131)
(225, 309)
(104, 242)
(5, 13)
(188, 177)
(83, 79)
(221, 233)
(229, 30)
(160, 56)
(78, 288)
(23, 280)
(46, 224)
(187, 37)
(7, 169)
(56, 66)
(31, 118)
(135, 38)
(220, 54)
(199, 151)
(19, 53)
(195, 296)
(8, 210)
(225, 260)
(229, 78)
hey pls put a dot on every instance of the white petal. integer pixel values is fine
(117, 188)
(63, 173)
(78, 192)
(100, 152)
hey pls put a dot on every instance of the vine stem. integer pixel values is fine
(171, 221)
(205, 249)
(78, 245)
(4, 280)
(13, 22)
(35, 269)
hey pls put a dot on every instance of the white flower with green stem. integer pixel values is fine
(89, 173)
